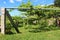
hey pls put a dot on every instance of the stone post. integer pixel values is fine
(3, 20)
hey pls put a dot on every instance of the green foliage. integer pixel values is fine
(38, 15)
(8, 26)
(57, 3)
(27, 5)
(18, 21)
(35, 17)
(44, 25)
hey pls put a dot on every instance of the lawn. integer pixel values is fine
(26, 35)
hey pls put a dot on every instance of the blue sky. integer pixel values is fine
(16, 3)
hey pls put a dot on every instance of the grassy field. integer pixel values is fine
(26, 35)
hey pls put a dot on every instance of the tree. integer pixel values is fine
(57, 3)
(25, 5)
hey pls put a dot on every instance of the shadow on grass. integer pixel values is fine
(44, 29)
(36, 30)
(9, 33)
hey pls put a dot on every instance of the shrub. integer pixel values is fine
(8, 27)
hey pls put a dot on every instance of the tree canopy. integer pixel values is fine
(57, 3)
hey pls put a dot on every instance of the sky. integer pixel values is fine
(16, 3)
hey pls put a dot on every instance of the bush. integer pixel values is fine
(44, 26)
(53, 27)
(8, 27)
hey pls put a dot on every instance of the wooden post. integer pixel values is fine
(3, 20)
(12, 22)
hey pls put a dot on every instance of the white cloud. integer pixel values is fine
(11, 1)
(19, 0)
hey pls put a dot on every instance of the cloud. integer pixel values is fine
(11, 1)
(42, 5)
(19, 0)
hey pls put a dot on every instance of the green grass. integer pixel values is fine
(26, 35)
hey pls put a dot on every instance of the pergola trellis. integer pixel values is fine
(5, 13)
